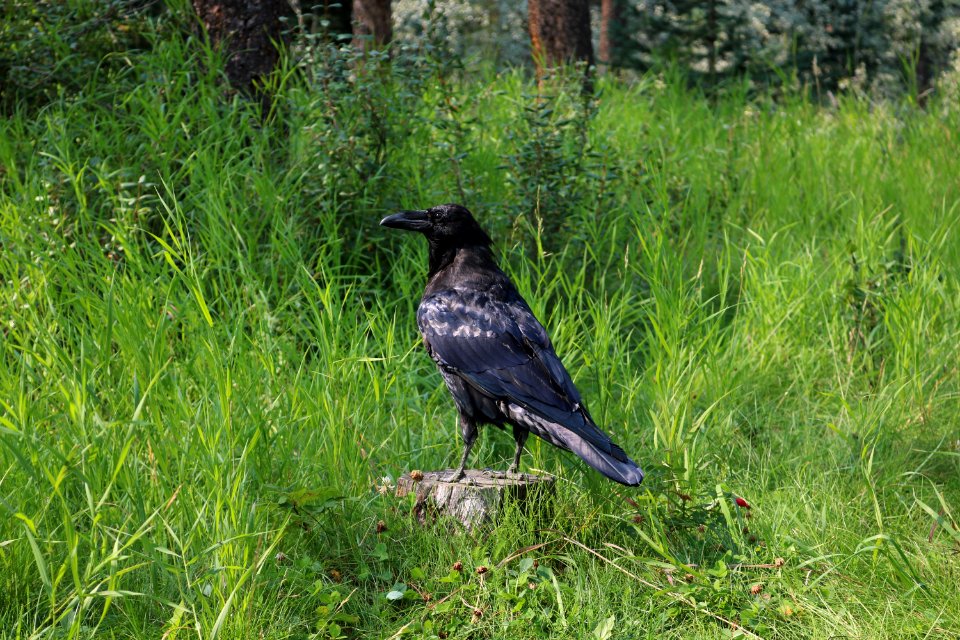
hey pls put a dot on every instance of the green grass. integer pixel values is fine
(210, 371)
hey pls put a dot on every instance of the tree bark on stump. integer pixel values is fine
(477, 498)
(559, 33)
(247, 30)
(372, 24)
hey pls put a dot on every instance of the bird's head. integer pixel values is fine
(445, 224)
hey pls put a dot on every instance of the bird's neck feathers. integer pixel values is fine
(445, 254)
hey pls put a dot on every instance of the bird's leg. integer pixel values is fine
(461, 470)
(520, 435)
(468, 429)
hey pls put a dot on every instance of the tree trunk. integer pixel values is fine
(247, 31)
(559, 32)
(372, 24)
(610, 16)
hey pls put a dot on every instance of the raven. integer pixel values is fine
(492, 351)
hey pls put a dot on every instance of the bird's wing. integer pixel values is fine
(500, 348)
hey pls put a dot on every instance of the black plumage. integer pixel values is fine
(492, 351)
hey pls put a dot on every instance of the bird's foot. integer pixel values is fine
(460, 475)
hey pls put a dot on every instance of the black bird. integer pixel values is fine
(493, 353)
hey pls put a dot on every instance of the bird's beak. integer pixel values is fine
(409, 220)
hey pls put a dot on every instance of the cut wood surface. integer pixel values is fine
(477, 497)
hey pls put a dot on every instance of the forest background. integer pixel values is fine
(738, 222)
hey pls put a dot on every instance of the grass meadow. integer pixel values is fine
(210, 375)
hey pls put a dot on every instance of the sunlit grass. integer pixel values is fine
(210, 363)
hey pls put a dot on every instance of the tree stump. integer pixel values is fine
(476, 498)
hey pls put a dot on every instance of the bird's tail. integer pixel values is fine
(613, 463)
(584, 439)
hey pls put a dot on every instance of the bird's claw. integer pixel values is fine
(460, 476)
